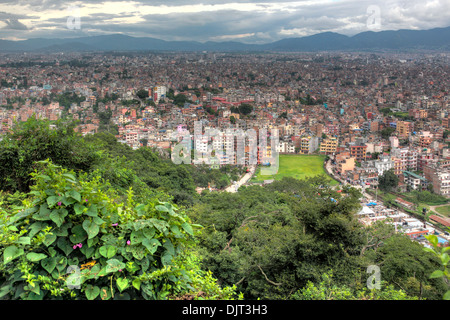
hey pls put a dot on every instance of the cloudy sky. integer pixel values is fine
(249, 21)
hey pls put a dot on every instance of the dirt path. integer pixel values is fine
(432, 208)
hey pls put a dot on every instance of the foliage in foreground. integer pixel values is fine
(441, 253)
(326, 290)
(72, 239)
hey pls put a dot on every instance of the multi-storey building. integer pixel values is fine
(308, 144)
(358, 152)
(441, 183)
(383, 164)
(414, 181)
(404, 129)
(404, 159)
(329, 146)
(425, 139)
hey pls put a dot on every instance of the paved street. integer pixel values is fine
(234, 187)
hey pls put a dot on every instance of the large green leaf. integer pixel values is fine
(108, 251)
(187, 227)
(114, 265)
(136, 283)
(92, 211)
(137, 251)
(162, 208)
(61, 263)
(78, 208)
(88, 251)
(49, 239)
(78, 234)
(91, 228)
(23, 214)
(34, 257)
(36, 227)
(64, 245)
(136, 237)
(44, 213)
(63, 230)
(74, 194)
(91, 292)
(105, 293)
(67, 201)
(151, 245)
(447, 295)
(149, 232)
(49, 264)
(122, 283)
(23, 240)
(161, 225)
(11, 253)
(52, 200)
(58, 215)
(166, 259)
(437, 274)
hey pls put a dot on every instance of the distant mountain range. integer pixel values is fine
(433, 39)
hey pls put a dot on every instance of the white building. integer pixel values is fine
(384, 163)
(159, 92)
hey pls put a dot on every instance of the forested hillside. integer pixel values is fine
(133, 223)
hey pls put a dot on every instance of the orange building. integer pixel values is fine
(358, 152)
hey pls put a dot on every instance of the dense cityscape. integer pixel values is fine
(368, 112)
(259, 172)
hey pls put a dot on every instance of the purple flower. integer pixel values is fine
(59, 203)
(86, 200)
(114, 225)
(128, 242)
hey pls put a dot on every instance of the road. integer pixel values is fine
(245, 178)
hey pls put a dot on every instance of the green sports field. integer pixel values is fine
(444, 210)
(296, 166)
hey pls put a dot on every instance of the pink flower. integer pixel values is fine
(59, 203)
(86, 200)
(114, 225)
(128, 242)
(79, 245)
(74, 247)
(120, 270)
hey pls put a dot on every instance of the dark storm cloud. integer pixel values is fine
(246, 20)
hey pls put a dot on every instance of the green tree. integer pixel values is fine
(386, 132)
(271, 241)
(326, 290)
(404, 264)
(245, 109)
(142, 94)
(36, 140)
(388, 181)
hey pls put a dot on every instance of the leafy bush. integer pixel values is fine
(72, 238)
(441, 253)
(326, 290)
